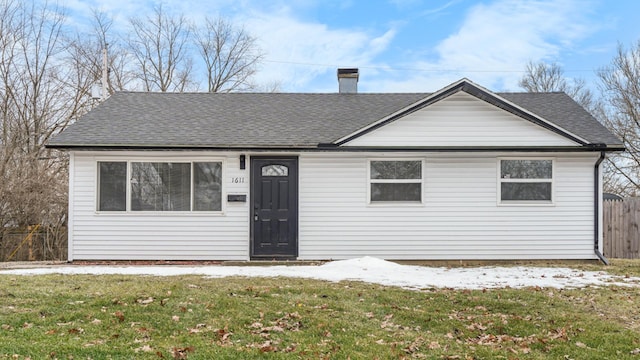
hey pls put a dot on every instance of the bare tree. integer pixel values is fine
(620, 85)
(37, 101)
(620, 174)
(543, 77)
(46, 74)
(87, 54)
(230, 55)
(85, 59)
(159, 45)
(270, 87)
(120, 75)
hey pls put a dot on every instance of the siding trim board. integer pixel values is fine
(70, 218)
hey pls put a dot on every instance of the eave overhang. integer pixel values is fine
(336, 148)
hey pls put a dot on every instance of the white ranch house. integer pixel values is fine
(462, 173)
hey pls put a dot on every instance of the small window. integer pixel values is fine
(112, 186)
(526, 180)
(395, 181)
(275, 170)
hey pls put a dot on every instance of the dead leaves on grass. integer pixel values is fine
(391, 328)
(119, 315)
(486, 329)
(473, 327)
(181, 353)
(288, 322)
(146, 301)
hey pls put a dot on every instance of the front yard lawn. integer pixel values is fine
(192, 317)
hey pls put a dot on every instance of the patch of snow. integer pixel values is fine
(363, 263)
(371, 270)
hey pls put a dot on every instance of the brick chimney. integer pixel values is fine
(348, 81)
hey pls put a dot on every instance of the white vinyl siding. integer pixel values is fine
(196, 235)
(460, 218)
(461, 120)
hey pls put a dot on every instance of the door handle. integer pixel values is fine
(255, 217)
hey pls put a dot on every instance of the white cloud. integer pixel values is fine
(299, 52)
(81, 11)
(491, 46)
(495, 42)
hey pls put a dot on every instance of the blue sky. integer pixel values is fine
(409, 45)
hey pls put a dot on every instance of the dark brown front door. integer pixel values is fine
(274, 211)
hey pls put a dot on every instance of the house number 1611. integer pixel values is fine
(237, 180)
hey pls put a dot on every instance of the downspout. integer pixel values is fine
(596, 209)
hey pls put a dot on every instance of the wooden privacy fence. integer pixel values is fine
(620, 227)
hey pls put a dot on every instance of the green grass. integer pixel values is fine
(191, 317)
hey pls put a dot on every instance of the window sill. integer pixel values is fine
(396, 204)
(526, 203)
(159, 213)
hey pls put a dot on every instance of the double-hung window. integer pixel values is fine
(395, 181)
(526, 180)
(159, 186)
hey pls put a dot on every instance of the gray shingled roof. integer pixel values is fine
(282, 120)
(560, 109)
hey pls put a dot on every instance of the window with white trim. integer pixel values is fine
(526, 180)
(159, 186)
(395, 181)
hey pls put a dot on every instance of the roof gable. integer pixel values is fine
(462, 121)
(466, 86)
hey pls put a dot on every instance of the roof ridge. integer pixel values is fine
(530, 92)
